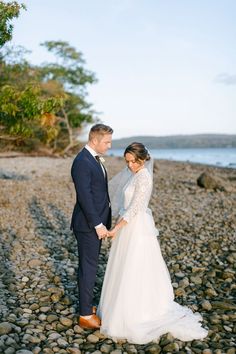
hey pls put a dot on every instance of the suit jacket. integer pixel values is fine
(92, 199)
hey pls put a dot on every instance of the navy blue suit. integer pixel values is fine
(92, 208)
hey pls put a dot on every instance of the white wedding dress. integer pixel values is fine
(137, 299)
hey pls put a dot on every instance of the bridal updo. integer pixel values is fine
(139, 151)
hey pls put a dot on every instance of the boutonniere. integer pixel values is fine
(102, 159)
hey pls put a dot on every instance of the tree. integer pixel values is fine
(26, 112)
(8, 11)
(56, 91)
(48, 102)
(69, 74)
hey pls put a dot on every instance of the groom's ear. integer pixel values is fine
(95, 140)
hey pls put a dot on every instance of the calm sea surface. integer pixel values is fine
(224, 157)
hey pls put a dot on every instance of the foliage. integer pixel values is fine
(8, 11)
(23, 113)
(46, 102)
(68, 74)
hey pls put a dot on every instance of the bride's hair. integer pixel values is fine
(139, 151)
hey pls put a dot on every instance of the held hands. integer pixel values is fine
(112, 233)
(101, 232)
(107, 233)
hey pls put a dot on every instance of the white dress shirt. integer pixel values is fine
(94, 153)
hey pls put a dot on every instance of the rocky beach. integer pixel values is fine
(38, 256)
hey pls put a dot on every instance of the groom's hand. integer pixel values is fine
(101, 231)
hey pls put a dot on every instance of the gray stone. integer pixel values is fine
(207, 351)
(153, 349)
(184, 283)
(62, 343)
(92, 338)
(28, 338)
(54, 336)
(206, 305)
(74, 351)
(196, 280)
(10, 342)
(171, 347)
(65, 321)
(45, 309)
(105, 348)
(25, 279)
(10, 350)
(51, 318)
(5, 328)
(78, 329)
(205, 180)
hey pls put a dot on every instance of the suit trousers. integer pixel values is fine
(88, 250)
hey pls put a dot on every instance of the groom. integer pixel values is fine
(91, 217)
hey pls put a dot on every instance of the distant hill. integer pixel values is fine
(179, 141)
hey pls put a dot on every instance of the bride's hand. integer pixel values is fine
(111, 233)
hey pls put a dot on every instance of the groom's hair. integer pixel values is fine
(99, 130)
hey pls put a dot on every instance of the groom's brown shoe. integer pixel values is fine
(93, 322)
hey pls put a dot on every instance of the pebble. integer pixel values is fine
(54, 336)
(206, 305)
(74, 351)
(51, 318)
(196, 280)
(172, 347)
(25, 279)
(184, 283)
(105, 348)
(66, 321)
(38, 252)
(9, 350)
(5, 328)
(153, 349)
(92, 338)
(62, 343)
(78, 329)
(45, 309)
(33, 263)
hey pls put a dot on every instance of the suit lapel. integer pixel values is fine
(99, 168)
(93, 161)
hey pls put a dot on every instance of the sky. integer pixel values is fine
(164, 67)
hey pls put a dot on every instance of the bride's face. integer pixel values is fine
(133, 164)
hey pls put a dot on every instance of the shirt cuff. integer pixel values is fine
(98, 226)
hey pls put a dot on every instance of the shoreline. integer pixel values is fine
(58, 157)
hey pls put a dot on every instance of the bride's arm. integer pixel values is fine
(141, 196)
(118, 226)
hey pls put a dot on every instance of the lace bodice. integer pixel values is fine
(136, 194)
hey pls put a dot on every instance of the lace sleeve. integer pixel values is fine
(141, 196)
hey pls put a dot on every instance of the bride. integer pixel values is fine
(137, 299)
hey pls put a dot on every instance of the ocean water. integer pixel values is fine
(224, 157)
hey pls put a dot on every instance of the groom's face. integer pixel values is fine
(102, 143)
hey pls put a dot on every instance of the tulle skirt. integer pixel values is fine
(137, 299)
